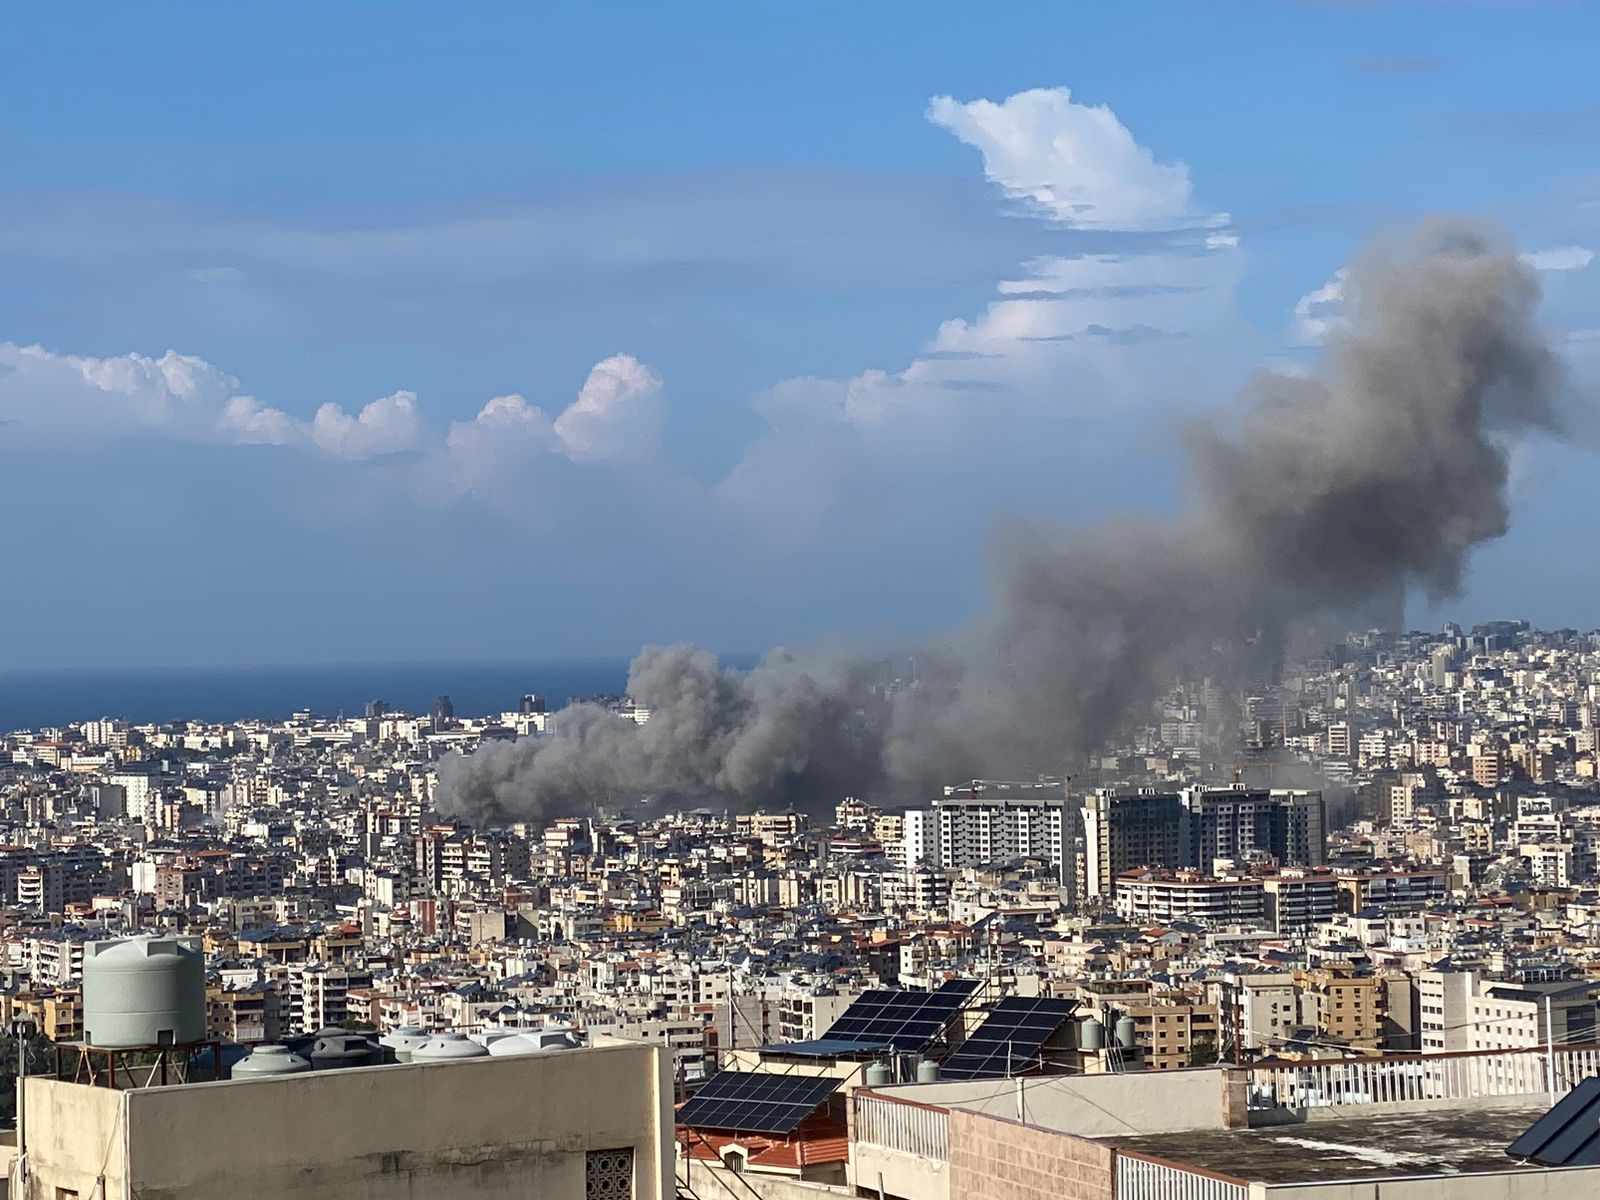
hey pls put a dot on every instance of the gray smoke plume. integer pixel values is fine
(1329, 495)
(785, 732)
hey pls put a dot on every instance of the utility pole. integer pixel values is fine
(1238, 1024)
(22, 1032)
(1549, 1052)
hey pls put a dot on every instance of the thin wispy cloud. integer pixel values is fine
(1559, 258)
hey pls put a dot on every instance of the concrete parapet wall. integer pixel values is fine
(1140, 1102)
(712, 1182)
(1565, 1183)
(488, 1128)
(992, 1158)
(897, 1173)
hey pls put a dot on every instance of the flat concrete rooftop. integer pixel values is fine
(1434, 1142)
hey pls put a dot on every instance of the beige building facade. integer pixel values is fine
(591, 1124)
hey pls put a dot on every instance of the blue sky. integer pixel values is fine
(508, 329)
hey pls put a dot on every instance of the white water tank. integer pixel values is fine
(535, 1041)
(488, 1037)
(878, 1075)
(144, 991)
(266, 1061)
(402, 1040)
(448, 1047)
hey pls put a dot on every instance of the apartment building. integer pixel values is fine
(1296, 901)
(1130, 830)
(1171, 1026)
(1343, 1005)
(983, 823)
(1157, 896)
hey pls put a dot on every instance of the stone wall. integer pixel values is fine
(994, 1158)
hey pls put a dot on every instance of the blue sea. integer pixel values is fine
(37, 699)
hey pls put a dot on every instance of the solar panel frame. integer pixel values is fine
(756, 1101)
(906, 1022)
(1569, 1134)
(1012, 1035)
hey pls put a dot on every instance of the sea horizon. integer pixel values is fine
(32, 698)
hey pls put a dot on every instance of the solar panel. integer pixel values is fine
(1569, 1134)
(1009, 1039)
(755, 1102)
(906, 1022)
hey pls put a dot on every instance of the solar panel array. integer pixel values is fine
(1010, 1038)
(752, 1102)
(1569, 1134)
(907, 1022)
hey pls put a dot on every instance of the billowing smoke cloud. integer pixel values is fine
(784, 731)
(1328, 495)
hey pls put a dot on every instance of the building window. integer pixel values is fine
(608, 1174)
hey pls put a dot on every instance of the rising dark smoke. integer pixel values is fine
(1329, 495)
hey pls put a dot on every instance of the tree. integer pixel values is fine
(1203, 1053)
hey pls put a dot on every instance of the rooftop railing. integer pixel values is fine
(1390, 1079)
(904, 1125)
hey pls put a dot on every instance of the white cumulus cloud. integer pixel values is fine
(387, 425)
(46, 396)
(247, 420)
(618, 414)
(1068, 331)
(505, 434)
(1321, 311)
(1077, 163)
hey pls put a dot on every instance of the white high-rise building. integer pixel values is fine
(915, 845)
(983, 822)
(141, 791)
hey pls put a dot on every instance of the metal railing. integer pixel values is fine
(1401, 1078)
(1143, 1178)
(919, 1129)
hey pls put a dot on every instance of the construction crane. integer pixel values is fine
(1240, 768)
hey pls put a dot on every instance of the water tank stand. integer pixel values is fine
(134, 1066)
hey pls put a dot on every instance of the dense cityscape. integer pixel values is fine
(811, 602)
(1173, 905)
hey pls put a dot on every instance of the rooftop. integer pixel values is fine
(1438, 1142)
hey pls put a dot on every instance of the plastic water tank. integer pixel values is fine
(402, 1040)
(556, 1039)
(878, 1075)
(927, 1071)
(144, 991)
(1092, 1035)
(448, 1047)
(535, 1041)
(488, 1037)
(266, 1061)
(511, 1047)
(335, 1049)
(1126, 1030)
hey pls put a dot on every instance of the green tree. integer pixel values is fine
(1203, 1053)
